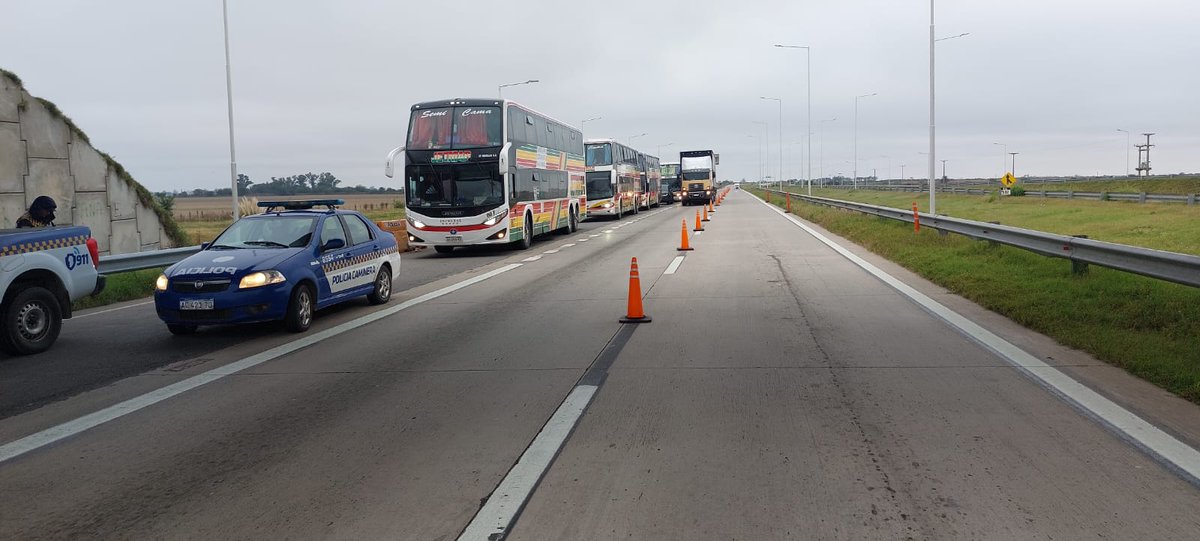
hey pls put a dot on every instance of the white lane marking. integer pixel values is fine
(594, 235)
(584, 240)
(70, 428)
(1137, 430)
(496, 516)
(89, 314)
(550, 252)
(608, 230)
(532, 258)
(674, 266)
(699, 232)
(568, 245)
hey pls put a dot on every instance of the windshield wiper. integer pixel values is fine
(221, 247)
(265, 243)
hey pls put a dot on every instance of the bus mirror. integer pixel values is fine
(716, 159)
(504, 158)
(389, 168)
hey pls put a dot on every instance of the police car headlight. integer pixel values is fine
(261, 278)
(161, 283)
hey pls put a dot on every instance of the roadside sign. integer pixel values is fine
(1008, 180)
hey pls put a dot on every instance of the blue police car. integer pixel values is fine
(284, 264)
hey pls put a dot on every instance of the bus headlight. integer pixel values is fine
(161, 283)
(416, 223)
(707, 192)
(495, 219)
(608, 205)
(261, 278)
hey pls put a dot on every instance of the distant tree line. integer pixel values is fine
(304, 183)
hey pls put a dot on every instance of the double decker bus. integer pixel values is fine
(669, 192)
(613, 178)
(481, 171)
(651, 180)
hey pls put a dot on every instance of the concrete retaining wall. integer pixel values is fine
(42, 153)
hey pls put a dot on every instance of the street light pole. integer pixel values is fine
(808, 94)
(632, 137)
(932, 138)
(233, 174)
(1127, 147)
(1014, 162)
(944, 169)
(780, 101)
(855, 164)
(500, 88)
(758, 143)
(585, 121)
(822, 162)
(762, 151)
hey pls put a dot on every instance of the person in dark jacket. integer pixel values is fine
(41, 213)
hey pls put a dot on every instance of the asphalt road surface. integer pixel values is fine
(780, 391)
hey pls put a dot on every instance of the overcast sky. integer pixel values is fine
(326, 86)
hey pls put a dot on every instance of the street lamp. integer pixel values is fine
(229, 100)
(856, 98)
(585, 121)
(808, 94)
(632, 137)
(758, 141)
(932, 110)
(1127, 147)
(766, 144)
(780, 101)
(821, 172)
(501, 88)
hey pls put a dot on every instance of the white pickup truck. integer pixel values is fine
(42, 271)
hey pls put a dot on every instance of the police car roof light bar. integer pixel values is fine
(303, 204)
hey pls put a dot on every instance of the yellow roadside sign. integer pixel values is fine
(1008, 180)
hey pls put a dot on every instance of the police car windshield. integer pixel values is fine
(274, 231)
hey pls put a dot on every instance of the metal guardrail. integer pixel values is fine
(1139, 197)
(145, 260)
(1170, 266)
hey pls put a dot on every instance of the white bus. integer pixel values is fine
(614, 180)
(481, 171)
(651, 181)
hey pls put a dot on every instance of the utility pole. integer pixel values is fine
(944, 169)
(1143, 167)
(1014, 162)
(233, 174)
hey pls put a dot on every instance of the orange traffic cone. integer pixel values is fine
(705, 210)
(699, 227)
(634, 312)
(683, 240)
(719, 200)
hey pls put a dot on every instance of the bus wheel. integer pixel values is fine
(619, 213)
(573, 222)
(527, 238)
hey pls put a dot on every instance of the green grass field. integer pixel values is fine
(1149, 327)
(1161, 226)
(1170, 185)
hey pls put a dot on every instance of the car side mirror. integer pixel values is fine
(204, 245)
(333, 244)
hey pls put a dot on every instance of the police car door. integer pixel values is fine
(333, 260)
(365, 253)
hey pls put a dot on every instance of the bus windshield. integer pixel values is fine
(599, 184)
(599, 154)
(670, 170)
(467, 185)
(454, 128)
(696, 175)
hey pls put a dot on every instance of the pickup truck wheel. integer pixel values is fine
(180, 330)
(31, 322)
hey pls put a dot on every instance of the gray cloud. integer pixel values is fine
(327, 86)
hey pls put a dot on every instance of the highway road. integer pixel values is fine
(781, 391)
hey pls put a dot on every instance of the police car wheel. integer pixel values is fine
(31, 323)
(383, 286)
(300, 309)
(180, 330)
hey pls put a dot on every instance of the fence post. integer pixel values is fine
(1191, 199)
(1070, 194)
(916, 219)
(1079, 268)
(789, 202)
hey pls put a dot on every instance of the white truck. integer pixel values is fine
(42, 271)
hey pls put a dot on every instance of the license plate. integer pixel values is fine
(196, 304)
(454, 238)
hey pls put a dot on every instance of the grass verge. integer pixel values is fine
(125, 286)
(1161, 226)
(1149, 327)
